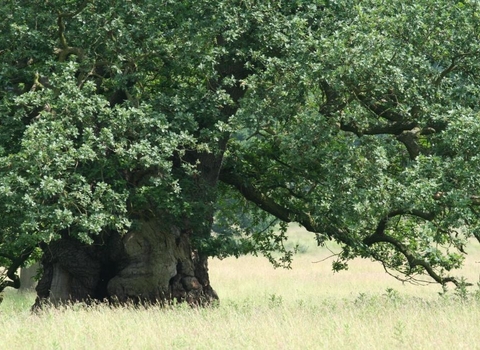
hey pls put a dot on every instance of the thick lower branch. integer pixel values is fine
(285, 214)
(412, 260)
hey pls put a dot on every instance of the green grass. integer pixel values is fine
(307, 307)
(255, 322)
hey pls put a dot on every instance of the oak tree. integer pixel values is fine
(129, 128)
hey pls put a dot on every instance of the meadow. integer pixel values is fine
(306, 307)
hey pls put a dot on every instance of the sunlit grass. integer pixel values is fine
(307, 307)
(263, 322)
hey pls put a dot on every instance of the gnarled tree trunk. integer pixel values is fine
(160, 265)
(153, 263)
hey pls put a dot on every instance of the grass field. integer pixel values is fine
(307, 307)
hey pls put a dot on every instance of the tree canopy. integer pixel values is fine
(357, 119)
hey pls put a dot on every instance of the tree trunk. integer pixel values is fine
(27, 275)
(154, 263)
(161, 267)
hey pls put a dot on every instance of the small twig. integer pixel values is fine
(328, 257)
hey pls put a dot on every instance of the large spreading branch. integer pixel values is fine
(404, 127)
(382, 107)
(394, 123)
(251, 193)
(272, 207)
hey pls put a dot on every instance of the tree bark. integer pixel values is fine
(161, 266)
(27, 275)
(153, 263)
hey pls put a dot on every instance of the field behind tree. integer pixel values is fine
(307, 307)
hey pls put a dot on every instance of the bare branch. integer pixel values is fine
(409, 279)
(322, 260)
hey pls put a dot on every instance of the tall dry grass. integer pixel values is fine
(307, 307)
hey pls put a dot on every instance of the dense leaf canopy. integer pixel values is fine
(357, 119)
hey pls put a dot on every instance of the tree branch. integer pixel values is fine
(382, 107)
(64, 51)
(285, 214)
(269, 205)
(391, 129)
(333, 101)
(452, 66)
(381, 237)
(14, 281)
(410, 140)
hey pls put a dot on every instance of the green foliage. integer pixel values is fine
(365, 128)
(358, 120)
